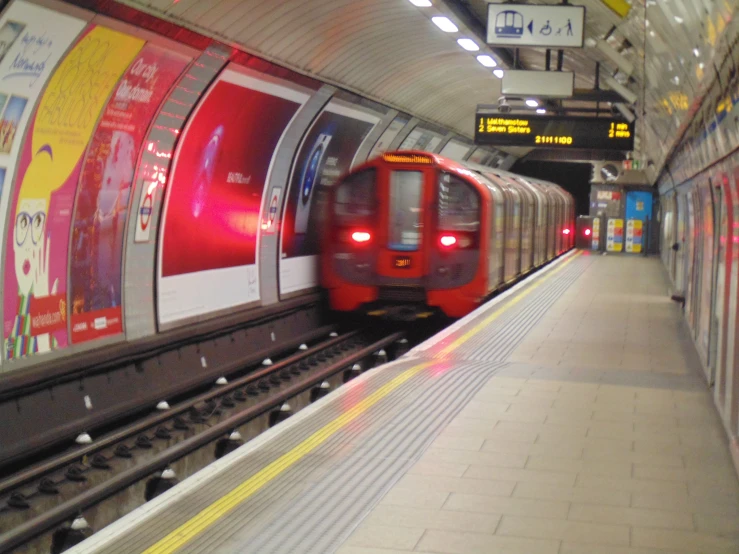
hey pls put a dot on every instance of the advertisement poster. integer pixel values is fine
(41, 210)
(634, 235)
(32, 40)
(209, 239)
(104, 191)
(327, 152)
(479, 156)
(455, 150)
(615, 235)
(595, 243)
(387, 137)
(421, 139)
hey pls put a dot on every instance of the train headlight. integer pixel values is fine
(361, 237)
(448, 241)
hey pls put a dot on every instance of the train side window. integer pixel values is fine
(459, 204)
(355, 196)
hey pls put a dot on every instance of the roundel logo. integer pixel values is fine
(145, 212)
(272, 210)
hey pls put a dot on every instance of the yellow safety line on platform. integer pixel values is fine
(208, 516)
(485, 322)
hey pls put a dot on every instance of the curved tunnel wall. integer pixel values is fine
(150, 183)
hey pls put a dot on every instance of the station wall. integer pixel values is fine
(154, 178)
(699, 225)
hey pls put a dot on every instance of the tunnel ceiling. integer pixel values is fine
(390, 51)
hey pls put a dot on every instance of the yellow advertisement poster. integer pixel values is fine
(595, 244)
(615, 235)
(35, 310)
(634, 235)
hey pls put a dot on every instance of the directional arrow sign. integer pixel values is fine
(561, 26)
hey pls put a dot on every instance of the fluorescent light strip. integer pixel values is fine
(486, 60)
(445, 24)
(468, 44)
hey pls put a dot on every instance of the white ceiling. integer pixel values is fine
(391, 52)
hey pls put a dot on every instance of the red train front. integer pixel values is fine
(409, 233)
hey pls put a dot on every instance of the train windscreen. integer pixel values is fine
(355, 196)
(406, 191)
(459, 205)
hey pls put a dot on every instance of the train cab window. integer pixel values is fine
(406, 195)
(355, 196)
(459, 204)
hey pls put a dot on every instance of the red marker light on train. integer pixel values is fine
(361, 236)
(565, 231)
(448, 240)
(587, 232)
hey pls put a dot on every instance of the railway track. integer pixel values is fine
(58, 502)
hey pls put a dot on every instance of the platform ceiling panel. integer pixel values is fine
(390, 51)
(387, 50)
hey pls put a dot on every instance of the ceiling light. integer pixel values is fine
(646, 22)
(701, 65)
(651, 33)
(445, 24)
(678, 19)
(498, 73)
(531, 103)
(696, 52)
(486, 60)
(421, 3)
(541, 110)
(468, 44)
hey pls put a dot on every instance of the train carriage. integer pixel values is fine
(410, 232)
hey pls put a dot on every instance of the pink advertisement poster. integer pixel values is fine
(35, 292)
(103, 195)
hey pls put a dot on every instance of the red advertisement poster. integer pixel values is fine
(212, 212)
(104, 192)
(210, 231)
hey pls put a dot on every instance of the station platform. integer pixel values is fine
(567, 416)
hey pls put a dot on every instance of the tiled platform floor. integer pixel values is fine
(599, 438)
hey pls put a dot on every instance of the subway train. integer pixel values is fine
(410, 234)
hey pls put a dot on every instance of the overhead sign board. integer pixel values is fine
(544, 84)
(542, 131)
(561, 26)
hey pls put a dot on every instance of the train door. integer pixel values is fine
(690, 275)
(681, 240)
(710, 199)
(502, 205)
(513, 234)
(730, 393)
(527, 227)
(497, 242)
(410, 192)
(668, 233)
(723, 280)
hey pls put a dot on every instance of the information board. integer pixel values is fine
(544, 131)
(518, 25)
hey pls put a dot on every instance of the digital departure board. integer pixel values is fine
(544, 131)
